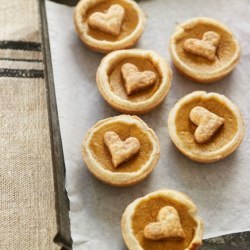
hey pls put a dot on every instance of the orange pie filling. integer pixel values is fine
(224, 53)
(185, 128)
(124, 130)
(129, 23)
(117, 84)
(146, 212)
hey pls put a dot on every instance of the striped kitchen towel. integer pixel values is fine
(27, 192)
(21, 59)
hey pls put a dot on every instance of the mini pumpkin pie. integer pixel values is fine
(206, 127)
(164, 219)
(107, 25)
(133, 81)
(121, 150)
(204, 50)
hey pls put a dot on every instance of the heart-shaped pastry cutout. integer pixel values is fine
(108, 22)
(136, 80)
(121, 151)
(208, 123)
(168, 225)
(206, 47)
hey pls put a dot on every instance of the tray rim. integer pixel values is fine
(63, 236)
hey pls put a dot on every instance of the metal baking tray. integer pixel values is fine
(236, 241)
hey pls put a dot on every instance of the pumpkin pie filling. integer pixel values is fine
(116, 81)
(124, 130)
(224, 53)
(129, 23)
(185, 128)
(204, 50)
(146, 212)
(133, 81)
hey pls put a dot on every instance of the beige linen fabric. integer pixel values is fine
(27, 202)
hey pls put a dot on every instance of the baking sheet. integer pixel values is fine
(220, 190)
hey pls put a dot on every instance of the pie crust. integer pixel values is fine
(111, 84)
(144, 210)
(131, 29)
(223, 143)
(98, 158)
(199, 68)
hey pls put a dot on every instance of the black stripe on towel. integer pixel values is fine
(22, 73)
(20, 45)
(20, 60)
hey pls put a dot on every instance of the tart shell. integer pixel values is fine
(127, 217)
(120, 178)
(105, 46)
(210, 156)
(202, 76)
(126, 106)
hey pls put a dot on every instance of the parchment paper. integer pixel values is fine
(221, 190)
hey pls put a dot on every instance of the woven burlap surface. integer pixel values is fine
(27, 202)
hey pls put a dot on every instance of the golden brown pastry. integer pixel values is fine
(204, 50)
(133, 81)
(107, 25)
(164, 219)
(121, 150)
(206, 127)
